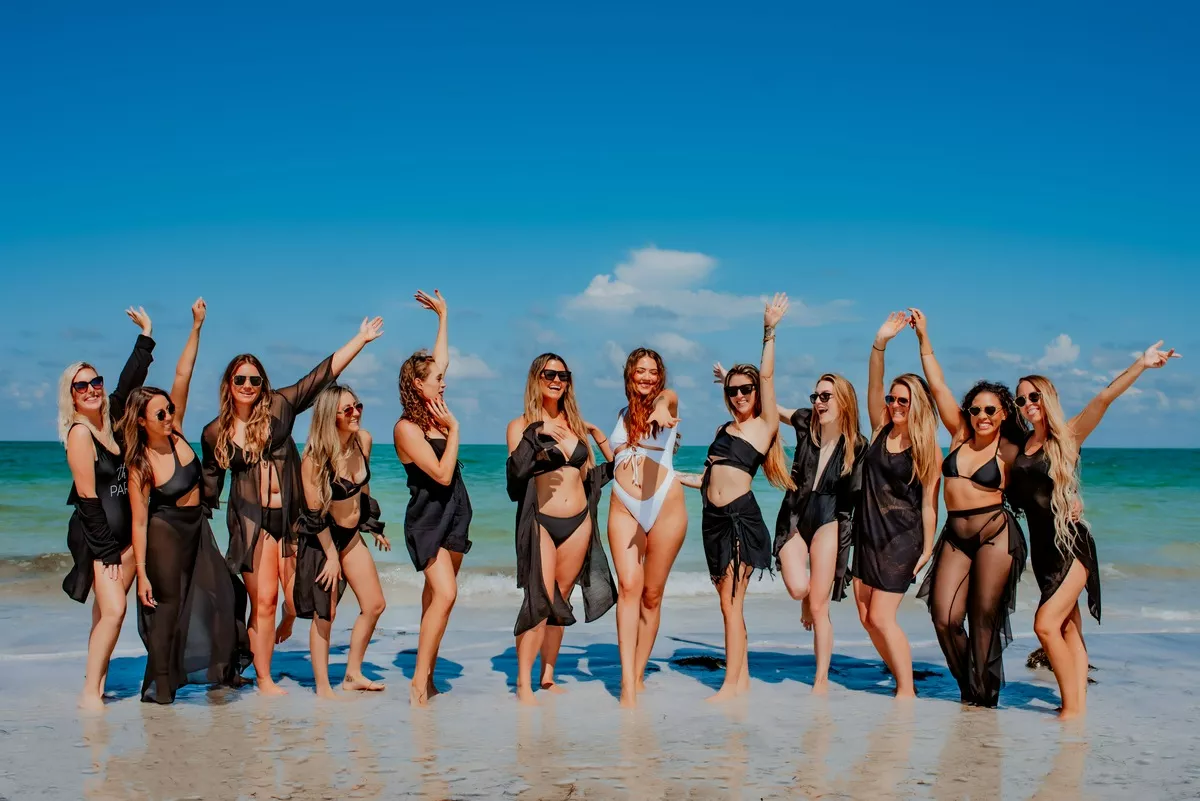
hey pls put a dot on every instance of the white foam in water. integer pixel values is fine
(1169, 614)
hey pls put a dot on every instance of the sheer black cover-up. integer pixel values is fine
(889, 532)
(735, 533)
(531, 458)
(805, 509)
(1031, 489)
(101, 527)
(196, 633)
(309, 597)
(246, 517)
(437, 516)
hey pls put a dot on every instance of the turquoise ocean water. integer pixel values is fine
(1143, 505)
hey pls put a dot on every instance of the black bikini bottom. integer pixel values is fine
(560, 529)
(272, 522)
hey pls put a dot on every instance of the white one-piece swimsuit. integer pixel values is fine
(659, 449)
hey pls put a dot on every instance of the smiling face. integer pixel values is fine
(90, 399)
(1032, 410)
(901, 401)
(245, 384)
(349, 413)
(826, 405)
(159, 417)
(555, 387)
(646, 376)
(741, 393)
(991, 413)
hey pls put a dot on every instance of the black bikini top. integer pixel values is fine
(342, 489)
(577, 459)
(182, 481)
(734, 451)
(987, 475)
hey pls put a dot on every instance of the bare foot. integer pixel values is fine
(628, 698)
(416, 697)
(269, 687)
(743, 685)
(525, 696)
(328, 694)
(820, 687)
(362, 683)
(431, 689)
(726, 693)
(91, 702)
(1071, 715)
(284, 629)
(905, 694)
(553, 687)
(806, 615)
(639, 687)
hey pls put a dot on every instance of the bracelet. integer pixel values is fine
(770, 338)
(874, 347)
(602, 441)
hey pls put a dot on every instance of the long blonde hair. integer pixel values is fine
(775, 467)
(1062, 449)
(258, 427)
(567, 404)
(847, 400)
(922, 428)
(324, 446)
(67, 414)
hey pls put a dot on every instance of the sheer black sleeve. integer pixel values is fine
(212, 473)
(368, 516)
(303, 394)
(133, 375)
(100, 539)
(526, 461)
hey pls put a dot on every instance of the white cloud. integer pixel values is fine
(363, 372)
(1059, 353)
(683, 382)
(653, 278)
(468, 366)
(676, 346)
(1004, 358)
(608, 383)
(27, 395)
(616, 354)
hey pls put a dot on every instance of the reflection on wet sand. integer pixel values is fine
(969, 765)
(812, 772)
(884, 768)
(1065, 779)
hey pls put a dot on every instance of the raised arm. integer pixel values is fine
(1084, 423)
(368, 331)
(876, 406)
(133, 374)
(410, 440)
(665, 410)
(773, 313)
(785, 414)
(187, 362)
(441, 345)
(947, 405)
(303, 394)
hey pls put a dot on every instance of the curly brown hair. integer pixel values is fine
(258, 427)
(417, 366)
(637, 415)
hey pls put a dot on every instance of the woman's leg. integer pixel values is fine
(793, 564)
(662, 546)
(987, 613)
(287, 582)
(733, 598)
(1073, 633)
(318, 647)
(262, 585)
(948, 608)
(441, 582)
(1050, 624)
(895, 652)
(627, 542)
(824, 565)
(862, 602)
(110, 598)
(569, 556)
(359, 570)
(529, 643)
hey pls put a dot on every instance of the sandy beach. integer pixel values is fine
(475, 741)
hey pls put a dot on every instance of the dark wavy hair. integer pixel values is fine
(1012, 427)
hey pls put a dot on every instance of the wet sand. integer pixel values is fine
(1139, 740)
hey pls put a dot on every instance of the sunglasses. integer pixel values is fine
(1032, 397)
(561, 375)
(824, 397)
(163, 414)
(892, 399)
(351, 409)
(95, 383)
(240, 380)
(975, 411)
(740, 389)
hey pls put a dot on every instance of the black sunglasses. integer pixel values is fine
(240, 380)
(95, 383)
(824, 396)
(162, 414)
(890, 399)
(346, 411)
(975, 411)
(740, 389)
(1033, 397)
(561, 375)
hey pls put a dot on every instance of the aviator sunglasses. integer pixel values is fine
(892, 399)
(163, 414)
(823, 396)
(95, 383)
(975, 411)
(561, 375)
(346, 411)
(240, 380)
(740, 389)
(1032, 397)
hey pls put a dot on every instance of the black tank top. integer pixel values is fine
(112, 488)
(892, 496)
(421, 482)
(182, 481)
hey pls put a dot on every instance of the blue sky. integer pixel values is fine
(1026, 175)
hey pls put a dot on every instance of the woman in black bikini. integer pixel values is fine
(896, 520)
(979, 558)
(252, 439)
(192, 605)
(99, 534)
(556, 483)
(736, 539)
(1045, 486)
(336, 470)
(437, 521)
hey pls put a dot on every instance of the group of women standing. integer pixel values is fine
(142, 498)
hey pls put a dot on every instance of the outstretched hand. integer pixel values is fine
(893, 325)
(199, 311)
(661, 418)
(775, 310)
(140, 319)
(370, 330)
(1154, 357)
(718, 374)
(436, 303)
(918, 322)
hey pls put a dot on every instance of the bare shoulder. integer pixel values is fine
(514, 432)
(365, 440)
(78, 436)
